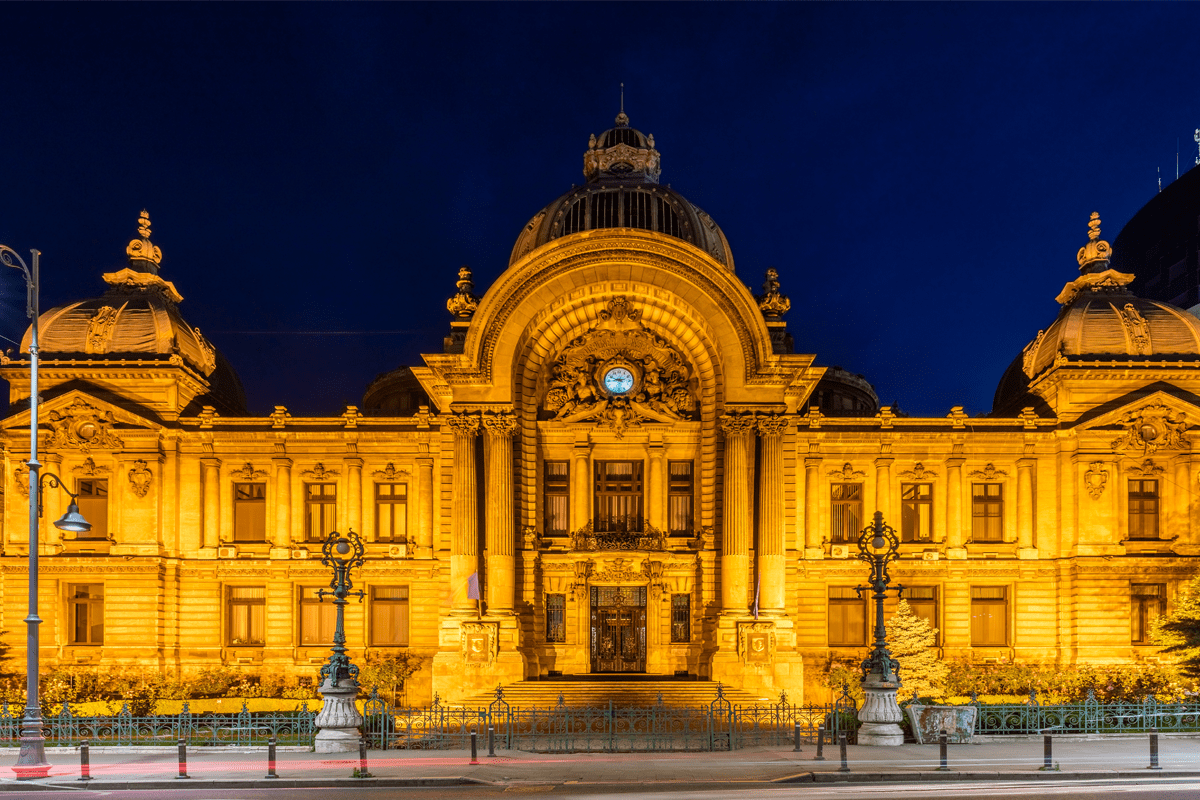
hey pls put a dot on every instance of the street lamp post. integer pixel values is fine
(878, 545)
(32, 763)
(337, 724)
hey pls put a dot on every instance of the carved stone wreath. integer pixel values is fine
(662, 389)
(1152, 428)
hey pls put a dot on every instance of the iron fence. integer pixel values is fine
(123, 728)
(720, 725)
(1088, 716)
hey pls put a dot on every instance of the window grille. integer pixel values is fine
(556, 618)
(681, 618)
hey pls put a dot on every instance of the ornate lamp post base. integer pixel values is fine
(880, 714)
(337, 724)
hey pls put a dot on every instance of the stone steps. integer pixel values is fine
(579, 693)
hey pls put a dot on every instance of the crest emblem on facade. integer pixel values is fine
(479, 643)
(1152, 428)
(756, 642)
(655, 381)
(139, 478)
(1095, 479)
(82, 426)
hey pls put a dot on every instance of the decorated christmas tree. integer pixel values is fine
(914, 644)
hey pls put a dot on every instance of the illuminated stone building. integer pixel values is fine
(618, 445)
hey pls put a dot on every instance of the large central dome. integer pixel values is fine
(622, 191)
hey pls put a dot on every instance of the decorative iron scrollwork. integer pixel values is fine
(621, 533)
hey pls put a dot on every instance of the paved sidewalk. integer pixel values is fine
(113, 768)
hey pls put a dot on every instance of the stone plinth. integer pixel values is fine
(880, 715)
(337, 724)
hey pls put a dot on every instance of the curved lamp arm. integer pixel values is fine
(71, 521)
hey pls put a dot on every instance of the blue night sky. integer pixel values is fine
(921, 175)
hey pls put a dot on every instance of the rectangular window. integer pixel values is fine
(1149, 602)
(916, 512)
(249, 512)
(556, 618)
(389, 616)
(86, 607)
(680, 491)
(923, 601)
(987, 512)
(320, 510)
(556, 498)
(317, 619)
(391, 512)
(847, 617)
(618, 496)
(845, 513)
(681, 618)
(247, 615)
(1143, 509)
(989, 616)
(93, 505)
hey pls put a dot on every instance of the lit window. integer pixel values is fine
(556, 618)
(391, 512)
(317, 619)
(681, 618)
(247, 615)
(923, 602)
(847, 617)
(1143, 509)
(680, 491)
(86, 607)
(987, 512)
(389, 616)
(93, 505)
(846, 512)
(320, 510)
(1149, 600)
(916, 512)
(989, 616)
(618, 496)
(249, 512)
(556, 488)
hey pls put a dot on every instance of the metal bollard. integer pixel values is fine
(474, 751)
(85, 766)
(1047, 752)
(842, 745)
(820, 756)
(491, 741)
(943, 741)
(271, 758)
(182, 759)
(796, 748)
(362, 759)
(1154, 749)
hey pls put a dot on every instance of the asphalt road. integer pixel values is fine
(1154, 789)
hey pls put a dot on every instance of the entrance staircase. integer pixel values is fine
(623, 691)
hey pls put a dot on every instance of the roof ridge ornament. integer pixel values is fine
(144, 256)
(1095, 255)
(771, 303)
(463, 304)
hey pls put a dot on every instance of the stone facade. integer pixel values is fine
(620, 450)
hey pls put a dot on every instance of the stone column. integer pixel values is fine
(283, 502)
(424, 502)
(735, 518)
(212, 501)
(581, 484)
(656, 512)
(812, 508)
(354, 503)
(498, 465)
(1025, 504)
(464, 544)
(883, 486)
(771, 564)
(1183, 496)
(954, 516)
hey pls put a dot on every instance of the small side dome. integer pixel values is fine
(394, 394)
(1100, 320)
(844, 394)
(138, 317)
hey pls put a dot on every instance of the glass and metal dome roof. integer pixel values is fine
(622, 168)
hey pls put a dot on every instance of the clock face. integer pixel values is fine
(618, 380)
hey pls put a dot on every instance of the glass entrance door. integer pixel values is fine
(618, 629)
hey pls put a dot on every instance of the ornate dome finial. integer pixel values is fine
(773, 304)
(622, 120)
(1095, 255)
(143, 255)
(463, 304)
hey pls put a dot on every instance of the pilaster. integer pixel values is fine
(498, 465)
(464, 540)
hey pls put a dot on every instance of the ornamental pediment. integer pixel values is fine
(78, 420)
(1153, 423)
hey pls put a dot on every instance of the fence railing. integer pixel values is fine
(609, 728)
(123, 728)
(1087, 716)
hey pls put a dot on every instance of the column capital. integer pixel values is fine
(1026, 463)
(500, 424)
(955, 463)
(464, 423)
(282, 461)
(353, 462)
(211, 461)
(772, 424)
(884, 462)
(736, 424)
